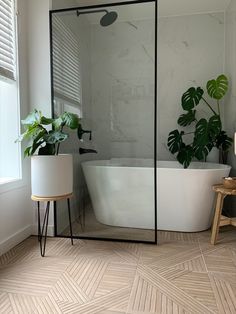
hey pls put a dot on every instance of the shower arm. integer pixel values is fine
(86, 12)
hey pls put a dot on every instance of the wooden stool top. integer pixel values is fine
(220, 188)
(50, 198)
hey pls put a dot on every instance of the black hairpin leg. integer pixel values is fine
(39, 228)
(69, 214)
(42, 235)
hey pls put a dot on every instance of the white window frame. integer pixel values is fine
(13, 183)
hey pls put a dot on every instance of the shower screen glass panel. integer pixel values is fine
(103, 69)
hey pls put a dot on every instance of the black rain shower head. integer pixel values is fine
(107, 19)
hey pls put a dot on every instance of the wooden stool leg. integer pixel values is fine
(69, 214)
(216, 221)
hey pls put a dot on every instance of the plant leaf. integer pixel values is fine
(35, 145)
(223, 141)
(214, 126)
(58, 123)
(26, 151)
(32, 118)
(201, 133)
(205, 134)
(54, 137)
(206, 131)
(32, 132)
(46, 121)
(185, 155)
(202, 151)
(217, 88)
(187, 118)
(175, 141)
(48, 149)
(191, 98)
(71, 120)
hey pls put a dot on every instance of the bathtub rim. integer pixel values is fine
(217, 167)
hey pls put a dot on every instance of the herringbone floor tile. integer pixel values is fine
(183, 274)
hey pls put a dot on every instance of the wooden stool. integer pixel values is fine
(219, 219)
(42, 233)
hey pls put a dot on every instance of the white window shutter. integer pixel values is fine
(7, 39)
(66, 63)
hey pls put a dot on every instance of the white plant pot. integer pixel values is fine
(51, 175)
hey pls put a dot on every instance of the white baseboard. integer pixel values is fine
(21, 235)
(50, 233)
(15, 239)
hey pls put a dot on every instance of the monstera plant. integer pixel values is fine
(43, 139)
(51, 172)
(207, 132)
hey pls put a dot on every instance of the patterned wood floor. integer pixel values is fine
(183, 274)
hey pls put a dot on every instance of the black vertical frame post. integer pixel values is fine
(155, 125)
(51, 12)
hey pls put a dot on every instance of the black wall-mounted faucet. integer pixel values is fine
(86, 151)
(80, 133)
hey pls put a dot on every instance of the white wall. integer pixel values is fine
(190, 52)
(15, 204)
(230, 104)
(39, 69)
(230, 66)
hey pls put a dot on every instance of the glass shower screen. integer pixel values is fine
(103, 62)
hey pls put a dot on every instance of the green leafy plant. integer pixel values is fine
(45, 134)
(207, 133)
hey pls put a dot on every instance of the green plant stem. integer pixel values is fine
(218, 105)
(215, 113)
(58, 145)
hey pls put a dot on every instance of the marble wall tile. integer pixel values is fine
(122, 80)
(190, 52)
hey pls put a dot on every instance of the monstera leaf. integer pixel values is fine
(71, 120)
(187, 118)
(54, 137)
(185, 155)
(205, 133)
(223, 141)
(206, 130)
(46, 121)
(175, 141)
(217, 88)
(201, 151)
(191, 98)
(33, 118)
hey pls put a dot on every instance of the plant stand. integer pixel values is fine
(219, 219)
(42, 231)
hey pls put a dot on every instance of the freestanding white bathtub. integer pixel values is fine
(122, 193)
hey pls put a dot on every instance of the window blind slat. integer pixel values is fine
(7, 39)
(66, 63)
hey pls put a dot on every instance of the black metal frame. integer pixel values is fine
(99, 6)
(42, 232)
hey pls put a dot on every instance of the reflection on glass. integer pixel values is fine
(104, 70)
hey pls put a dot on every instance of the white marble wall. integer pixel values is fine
(122, 80)
(230, 105)
(190, 51)
(230, 66)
